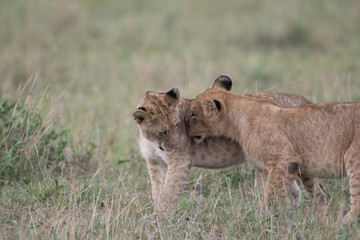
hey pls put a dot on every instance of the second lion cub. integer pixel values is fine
(318, 140)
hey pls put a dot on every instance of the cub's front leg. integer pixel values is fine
(281, 179)
(261, 178)
(178, 169)
(157, 170)
(315, 191)
(282, 163)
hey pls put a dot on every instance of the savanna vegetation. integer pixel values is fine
(71, 72)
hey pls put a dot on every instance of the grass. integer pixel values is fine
(83, 65)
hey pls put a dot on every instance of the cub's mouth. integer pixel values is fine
(167, 150)
(197, 139)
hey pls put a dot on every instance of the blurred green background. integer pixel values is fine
(88, 62)
(106, 54)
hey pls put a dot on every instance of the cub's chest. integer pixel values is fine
(150, 150)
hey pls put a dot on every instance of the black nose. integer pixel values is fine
(161, 149)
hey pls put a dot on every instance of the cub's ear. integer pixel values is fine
(172, 96)
(140, 115)
(223, 82)
(173, 93)
(212, 107)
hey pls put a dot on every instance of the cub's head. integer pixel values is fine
(157, 116)
(205, 112)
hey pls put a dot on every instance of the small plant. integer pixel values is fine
(29, 146)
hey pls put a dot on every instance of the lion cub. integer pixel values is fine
(323, 140)
(169, 152)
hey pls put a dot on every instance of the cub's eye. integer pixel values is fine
(192, 115)
(177, 125)
(164, 133)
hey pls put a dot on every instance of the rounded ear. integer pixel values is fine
(223, 82)
(173, 93)
(212, 107)
(172, 96)
(140, 115)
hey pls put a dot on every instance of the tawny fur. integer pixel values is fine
(169, 169)
(323, 139)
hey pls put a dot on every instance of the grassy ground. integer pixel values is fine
(83, 65)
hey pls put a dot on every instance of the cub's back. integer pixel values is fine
(321, 134)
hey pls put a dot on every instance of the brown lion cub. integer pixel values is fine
(323, 140)
(169, 152)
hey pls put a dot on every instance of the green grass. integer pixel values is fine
(83, 65)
